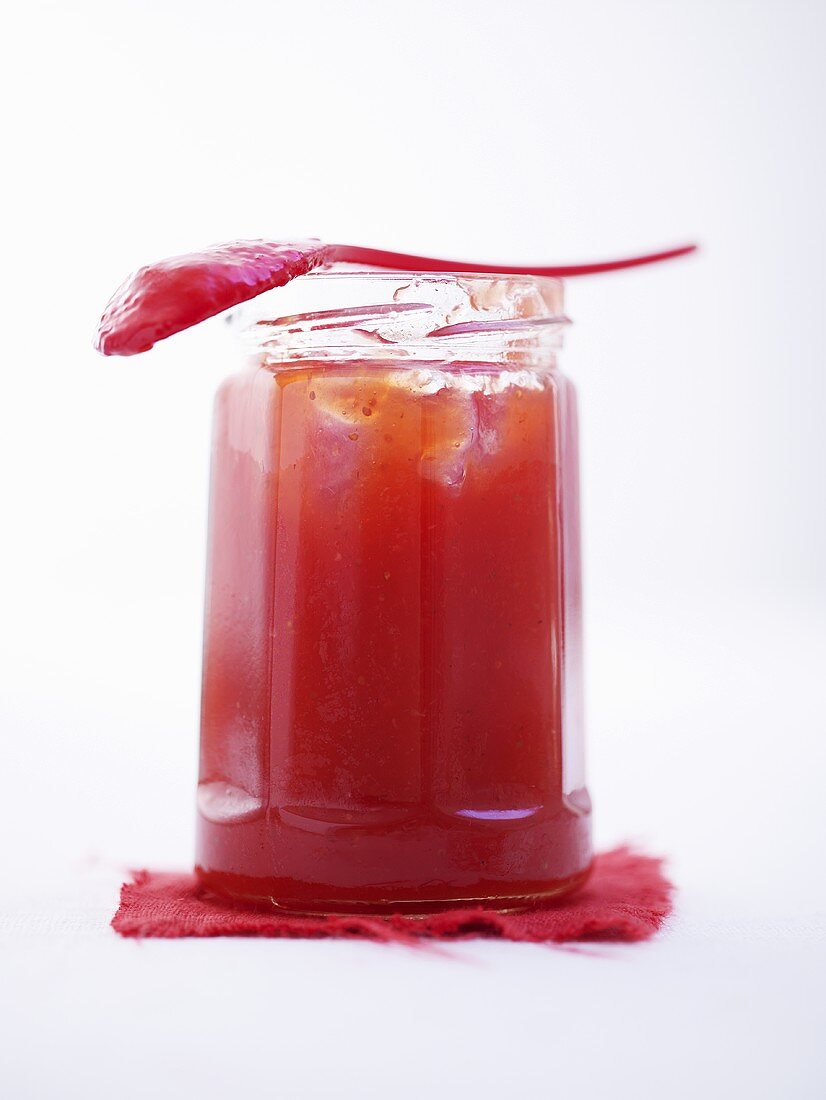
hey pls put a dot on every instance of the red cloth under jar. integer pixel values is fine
(626, 899)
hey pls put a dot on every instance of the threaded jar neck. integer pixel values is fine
(341, 314)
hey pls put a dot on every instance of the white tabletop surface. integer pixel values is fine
(727, 1000)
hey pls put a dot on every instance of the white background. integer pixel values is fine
(520, 132)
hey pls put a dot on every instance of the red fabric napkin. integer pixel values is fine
(626, 899)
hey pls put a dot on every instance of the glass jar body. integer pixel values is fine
(391, 714)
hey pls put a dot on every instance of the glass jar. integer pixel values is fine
(391, 697)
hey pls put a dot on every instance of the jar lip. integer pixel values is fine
(348, 312)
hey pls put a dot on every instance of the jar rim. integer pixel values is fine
(381, 314)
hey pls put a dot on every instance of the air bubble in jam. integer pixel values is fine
(222, 802)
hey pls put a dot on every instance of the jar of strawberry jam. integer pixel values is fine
(392, 713)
